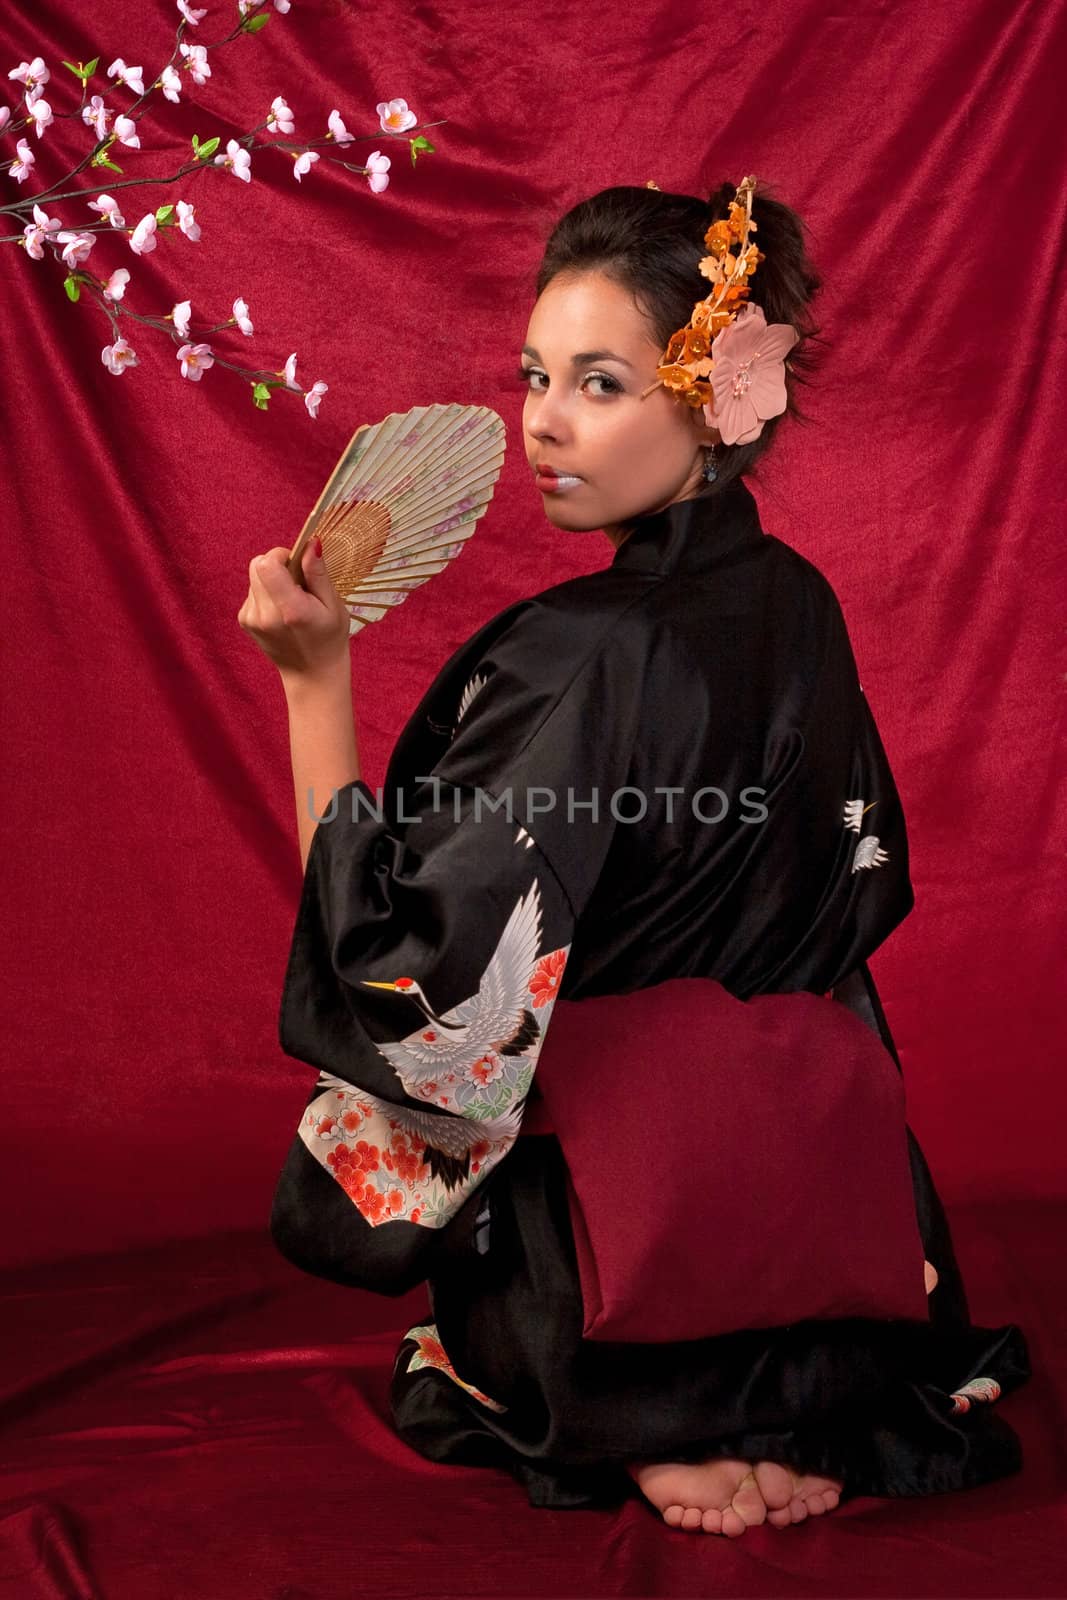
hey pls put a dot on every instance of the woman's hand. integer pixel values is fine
(305, 632)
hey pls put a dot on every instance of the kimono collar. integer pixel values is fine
(691, 535)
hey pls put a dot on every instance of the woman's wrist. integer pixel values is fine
(319, 683)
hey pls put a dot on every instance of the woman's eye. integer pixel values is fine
(524, 374)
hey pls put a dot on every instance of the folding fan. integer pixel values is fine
(402, 502)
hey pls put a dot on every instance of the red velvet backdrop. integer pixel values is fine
(151, 858)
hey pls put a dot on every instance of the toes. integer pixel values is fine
(712, 1520)
(691, 1517)
(672, 1516)
(791, 1496)
(775, 1484)
(819, 1495)
(733, 1524)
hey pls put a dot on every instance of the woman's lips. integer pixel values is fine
(551, 481)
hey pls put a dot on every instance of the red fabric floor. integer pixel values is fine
(204, 1420)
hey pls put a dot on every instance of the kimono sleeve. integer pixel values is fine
(428, 951)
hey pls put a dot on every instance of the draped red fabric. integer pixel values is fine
(152, 868)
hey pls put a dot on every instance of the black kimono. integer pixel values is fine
(663, 769)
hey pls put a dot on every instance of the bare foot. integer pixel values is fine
(790, 1496)
(719, 1496)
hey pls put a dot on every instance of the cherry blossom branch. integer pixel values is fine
(19, 207)
(395, 120)
(195, 58)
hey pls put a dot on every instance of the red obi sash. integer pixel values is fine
(732, 1163)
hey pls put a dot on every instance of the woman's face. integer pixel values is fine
(586, 416)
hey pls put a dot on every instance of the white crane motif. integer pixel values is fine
(478, 681)
(496, 1021)
(868, 852)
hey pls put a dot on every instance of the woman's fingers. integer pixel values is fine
(300, 629)
(280, 599)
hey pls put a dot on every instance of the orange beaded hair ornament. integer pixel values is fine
(727, 358)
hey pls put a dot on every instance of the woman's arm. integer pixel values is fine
(322, 743)
(304, 631)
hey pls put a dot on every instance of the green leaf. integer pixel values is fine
(73, 287)
(164, 214)
(418, 145)
(261, 394)
(92, 66)
(205, 151)
(78, 71)
(260, 20)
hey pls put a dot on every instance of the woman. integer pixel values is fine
(663, 770)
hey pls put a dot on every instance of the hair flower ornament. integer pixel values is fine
(728, 358)
(748, 375)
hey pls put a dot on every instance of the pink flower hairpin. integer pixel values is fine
(748, 378)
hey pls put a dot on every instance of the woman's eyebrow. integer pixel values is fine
(583, 356)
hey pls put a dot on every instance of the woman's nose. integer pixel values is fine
(549, 420)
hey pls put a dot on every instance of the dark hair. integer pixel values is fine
(651, 241)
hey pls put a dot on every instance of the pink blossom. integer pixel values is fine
(748, 378)
(170, 80)
(143, 239)
(187, 220)
(41, 112)
(118, 356)
(240, 311)
(96, 114)
(289, 372)
(196, 58)
(314, 395)
(46, 223)
(108, 207)
(195, 360)
(33, 75)
(189, 14)
(132, 77)
(394, 116)
(21, 166)
(32, 236)
(303, 163)
(180, 317)
(5, 117)
(238, 159)
(76, 247)
(378, 171)
(126, 132)
(338, 129)
(115, 287)
(280, 118)
(245, 6)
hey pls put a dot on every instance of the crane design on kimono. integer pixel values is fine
(868, 852)
(496, 1020)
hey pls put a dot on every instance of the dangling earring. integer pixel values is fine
(711, 471)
